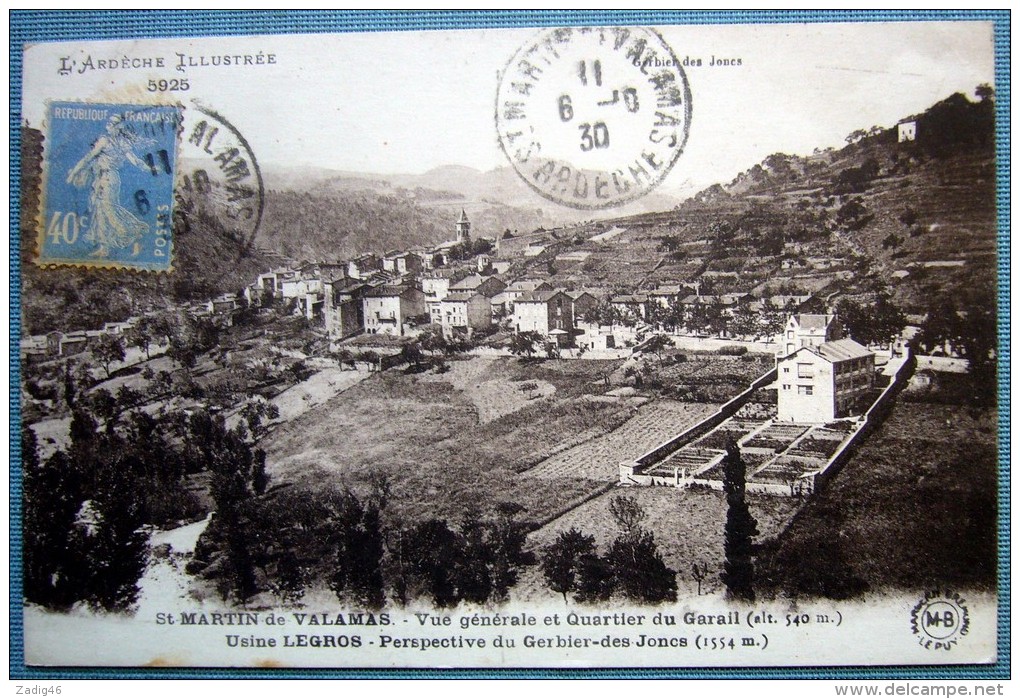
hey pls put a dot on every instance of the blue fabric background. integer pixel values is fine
(35, 26)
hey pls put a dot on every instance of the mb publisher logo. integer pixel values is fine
(940, 619)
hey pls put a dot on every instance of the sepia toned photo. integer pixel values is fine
(667, 346)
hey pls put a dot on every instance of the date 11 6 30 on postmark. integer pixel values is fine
(592, 118)
(109, 185)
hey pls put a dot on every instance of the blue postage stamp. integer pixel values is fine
(109, 194)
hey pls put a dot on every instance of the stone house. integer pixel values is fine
(343, 312)
(388, 308)
(635, 305)
(464, 312)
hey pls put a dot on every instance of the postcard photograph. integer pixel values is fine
(637, 346)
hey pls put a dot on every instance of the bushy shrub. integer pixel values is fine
(733, 350)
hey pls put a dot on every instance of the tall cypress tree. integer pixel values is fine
(741, 527)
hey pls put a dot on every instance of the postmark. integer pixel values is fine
(940, 619)
(219, 176)
(592, 118)
(109, 191)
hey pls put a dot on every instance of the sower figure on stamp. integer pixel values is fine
(111, 225)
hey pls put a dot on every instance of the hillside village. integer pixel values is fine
(784, 315)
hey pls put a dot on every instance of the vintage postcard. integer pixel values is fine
(613, 345)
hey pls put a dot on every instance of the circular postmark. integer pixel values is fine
(593, 117)
(218, 175)
(940, 619)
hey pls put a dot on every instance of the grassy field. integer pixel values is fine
(915, 507)
(540, 433)
(688, 526)
(427, 431)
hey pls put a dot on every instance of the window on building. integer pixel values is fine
(786, 387)
(789, 334)
(806, 390)
(786, 370)
(805, 371)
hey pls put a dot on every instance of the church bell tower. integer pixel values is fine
(463, 228)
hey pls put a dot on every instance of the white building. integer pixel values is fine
(808, 330)
(823, 383)
(906, 131)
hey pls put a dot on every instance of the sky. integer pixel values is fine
(406, 102)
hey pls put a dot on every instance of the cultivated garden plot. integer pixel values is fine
(599, 459)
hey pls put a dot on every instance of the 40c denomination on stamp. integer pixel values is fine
(592, 118)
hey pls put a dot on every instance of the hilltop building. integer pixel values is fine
(906, 131)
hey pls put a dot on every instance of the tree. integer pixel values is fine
(164, 326)
(357, 539)
(984, 92)
(507, 536)
(108, 349)
(116, 548)
(430, 551)
(254, 412)
(411, 353)
(564, 559)
(627, 513)
(856, 136)
(640, 573)
(525, 343)
(182, 351)
(881, 322)
(142, 335)
(473, 571)
(741, 527)
(978, 340)
(656, 344)
(237, 476)
(51, 499)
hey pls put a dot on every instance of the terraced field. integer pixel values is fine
(598, 459)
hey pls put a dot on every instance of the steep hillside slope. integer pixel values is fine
(913, 218)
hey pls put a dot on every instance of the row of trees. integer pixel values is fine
(286, 541)
(965, 324)
(632, 567)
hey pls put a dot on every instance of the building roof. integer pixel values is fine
(842, 350)
(813, 321)
(629, 298)
(526, 285)
(346, 285)
(387, 290)
(463, 217)
(538, 296)
(472, 281)
(578, 294)
(670, 290)
(461, 296)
